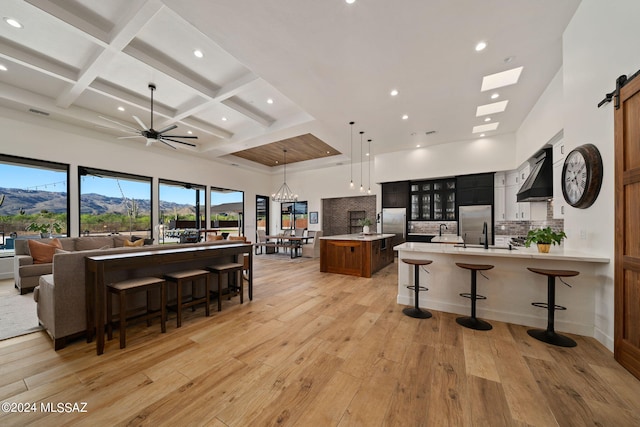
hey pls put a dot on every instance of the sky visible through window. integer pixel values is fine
(31, 178)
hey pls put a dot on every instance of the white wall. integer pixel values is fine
(45, 139)
(543, 122)
(443, 160)
(599, 44)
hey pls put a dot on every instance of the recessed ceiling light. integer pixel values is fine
(190, 132)
(482, 135)
(350, 1)
(13, 22)
(504, 78)
(269, 101)
(328, 152)
(405, 117)
(120, 108)
(488, 119)
(3, 68)
(495, 95)
(495, 107)
(394, 92)
(198, 53)
(484, 128)
(481, 46)
(418, 146)
(224, 119)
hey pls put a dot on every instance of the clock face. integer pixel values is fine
(575, 177)
(582, 176)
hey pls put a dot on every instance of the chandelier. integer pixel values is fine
(284, 193)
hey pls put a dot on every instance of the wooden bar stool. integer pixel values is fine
(228, 268)
(130, 286)
(181, 278)
(549, 335)
(415, 311)
(473, 322)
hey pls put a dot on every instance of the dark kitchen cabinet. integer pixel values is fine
(475, 189)
(433, 200)
(395, 194)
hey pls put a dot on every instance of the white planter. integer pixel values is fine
(365, 229)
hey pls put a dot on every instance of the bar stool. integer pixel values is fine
(181, 278)
(228, 268)
(549, 335)
(415, 311)
(473, 322)
(130, 286)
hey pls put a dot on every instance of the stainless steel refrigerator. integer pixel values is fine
(471, 221)
(394, 221)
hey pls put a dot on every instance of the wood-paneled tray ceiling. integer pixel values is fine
(299, 149)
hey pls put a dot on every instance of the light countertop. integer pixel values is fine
(447, 238)
(359, 237)
(556, 253)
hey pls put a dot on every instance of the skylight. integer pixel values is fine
(485, 128)
(504, 78)
(495, 107)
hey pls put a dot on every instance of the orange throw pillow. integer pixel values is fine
(138, 242)
(42, 253)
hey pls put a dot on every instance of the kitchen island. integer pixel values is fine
(356, 254)
(511, 288)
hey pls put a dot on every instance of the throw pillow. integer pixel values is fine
(42, 253)
(139, 242)
(61, 251)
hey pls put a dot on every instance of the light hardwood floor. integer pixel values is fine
(317, 349)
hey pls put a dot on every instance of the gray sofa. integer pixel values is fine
(26, 274)
(60, 296)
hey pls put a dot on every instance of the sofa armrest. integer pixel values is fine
(20, 260)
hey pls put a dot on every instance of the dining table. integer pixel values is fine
(287, 241)
(99, 268)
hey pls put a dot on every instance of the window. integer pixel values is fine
(33, 198)
(114, 202)
(262, 213)
(294, 215)
(181, 209)
(227, 208)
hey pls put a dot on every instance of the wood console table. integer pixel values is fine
(98, 267)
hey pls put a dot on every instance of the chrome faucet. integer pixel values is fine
(485, 233)
(445, 227)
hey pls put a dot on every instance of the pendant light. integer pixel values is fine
(361, 161)
(284, 193)
(351, 183)
(369, 168)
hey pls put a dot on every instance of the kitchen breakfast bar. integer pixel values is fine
(510, 289)
(356, 254)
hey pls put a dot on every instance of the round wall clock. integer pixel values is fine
(582, 176)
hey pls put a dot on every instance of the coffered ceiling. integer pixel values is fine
(291, 73)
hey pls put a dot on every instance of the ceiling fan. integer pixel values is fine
(150, 134)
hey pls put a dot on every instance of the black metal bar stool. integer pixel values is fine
(549, 335)
(473, 322)
(182, 277)
(416, 311)
(228, 268)
(126, 287)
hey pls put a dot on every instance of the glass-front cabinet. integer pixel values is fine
(433, 200)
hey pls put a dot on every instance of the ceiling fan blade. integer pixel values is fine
(167, 129)
(118, 129)
(142, 125)
(175, 140)
(119, 124)
(129, 137)
(166, 143)
(180, 136)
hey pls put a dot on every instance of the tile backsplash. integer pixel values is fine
(433, 227)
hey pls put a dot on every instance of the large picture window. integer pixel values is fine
(294, 215)
(182, 211)
(227, 211)
(114, 203)
(33, 199)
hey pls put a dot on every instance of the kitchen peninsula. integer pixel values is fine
(355, 254)
(510, 289)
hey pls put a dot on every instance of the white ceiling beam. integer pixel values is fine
(128, 98)
(127, 28)
(36, 61)
(248, 112)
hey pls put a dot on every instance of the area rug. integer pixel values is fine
(17, 316)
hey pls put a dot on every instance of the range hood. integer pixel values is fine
(538, 187)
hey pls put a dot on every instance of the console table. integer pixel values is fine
(165, 260)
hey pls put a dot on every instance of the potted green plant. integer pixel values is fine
(45, 230)
(365, 223)
(544, 238)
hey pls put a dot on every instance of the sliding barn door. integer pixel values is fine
(627, 228)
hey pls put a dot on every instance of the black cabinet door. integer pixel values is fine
(475, 189)
(395, 194)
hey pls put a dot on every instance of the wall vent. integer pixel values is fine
(34, 111)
